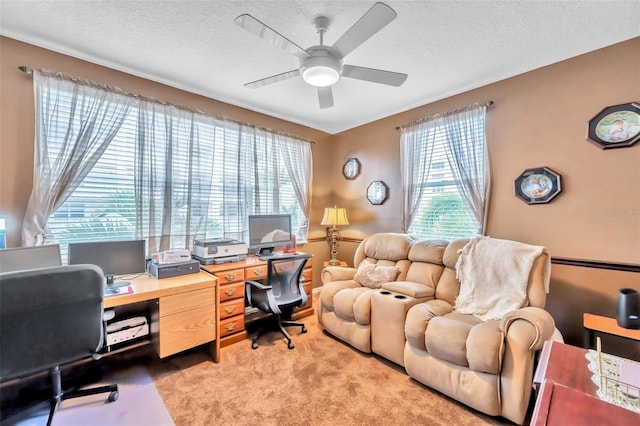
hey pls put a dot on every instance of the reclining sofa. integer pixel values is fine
(412, 320)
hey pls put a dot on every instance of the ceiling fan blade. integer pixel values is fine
(263, 31)
(273, 79)
(370, 23)
(376, 76)
(325, 97)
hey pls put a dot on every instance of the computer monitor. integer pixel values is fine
(113, 257)
(268, 231)
(21, 258)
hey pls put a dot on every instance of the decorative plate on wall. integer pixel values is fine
(377, 192)
(616, 126)
(351, 168)
(538, 186)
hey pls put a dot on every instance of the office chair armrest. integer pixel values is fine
(259, 285)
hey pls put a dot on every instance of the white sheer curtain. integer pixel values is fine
(469, 159)
(299, 163)
(173, 164)
(65, 153)
(416, 153)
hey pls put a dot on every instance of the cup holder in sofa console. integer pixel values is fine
(385, 292)
(400, 296)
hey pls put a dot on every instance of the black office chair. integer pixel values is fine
(279, 293)
(50, 317)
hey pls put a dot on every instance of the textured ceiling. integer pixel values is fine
(446, 47)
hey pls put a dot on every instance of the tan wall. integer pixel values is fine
(538, 119)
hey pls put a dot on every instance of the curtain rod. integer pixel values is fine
(29, 71)
(444, 114)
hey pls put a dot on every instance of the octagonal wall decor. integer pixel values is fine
(615, 126)
(351, 168)
(538, 185)
(377, 192)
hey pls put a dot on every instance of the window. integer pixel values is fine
(164, 174)
(445, 175)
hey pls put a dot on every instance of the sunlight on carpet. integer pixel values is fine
(138, 404)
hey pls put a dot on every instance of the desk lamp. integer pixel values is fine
(334, 216)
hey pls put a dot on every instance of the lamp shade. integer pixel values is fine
(334, 216)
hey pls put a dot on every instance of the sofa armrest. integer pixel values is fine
(337, 273)
(542, 325)
(409, 288)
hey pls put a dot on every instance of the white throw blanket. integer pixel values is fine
(493, 276)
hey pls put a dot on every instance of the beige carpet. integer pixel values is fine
(321, 382)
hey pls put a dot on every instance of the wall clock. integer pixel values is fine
(377, 192)
(351, 168)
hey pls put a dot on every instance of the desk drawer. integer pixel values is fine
(186, 330)
(307, 274)
(230, 276)
(231, 308)
(231, 325)
(256, 272)
(186, 301)
(231, 291)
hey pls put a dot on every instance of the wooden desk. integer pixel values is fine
(231, 278)
(560, 405)
(593, 323)
(183, 311)
(567, 395)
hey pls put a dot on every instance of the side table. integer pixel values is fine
(342, 264)
(593, 323)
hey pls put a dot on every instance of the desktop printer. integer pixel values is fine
(219, 250)
(128, 329)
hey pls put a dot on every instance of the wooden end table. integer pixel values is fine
(566, 395)
(593, 323)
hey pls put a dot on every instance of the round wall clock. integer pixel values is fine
(351, 168)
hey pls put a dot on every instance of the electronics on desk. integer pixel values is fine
(219, 260)
(113, 257)
(213, 248)
(171, 256)
(192, 266)
(127, 329)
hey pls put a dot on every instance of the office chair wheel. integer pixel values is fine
(290, 345)
(113, 396)
(254, 345)
(304, 329)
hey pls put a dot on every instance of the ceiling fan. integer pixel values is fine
(321, 66)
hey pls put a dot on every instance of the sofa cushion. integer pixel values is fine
(373, 276)
(446, 337)
(329, 290)
(345, 300)
(467, 341)
(387, 246)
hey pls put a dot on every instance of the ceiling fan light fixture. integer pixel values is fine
(320, 71)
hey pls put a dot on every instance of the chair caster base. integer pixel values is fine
(290, 345)
(113, 396)
(254, 345)
(304, 330)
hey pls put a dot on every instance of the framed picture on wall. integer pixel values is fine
(538, 185)
(615, 126)
(351, 168)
